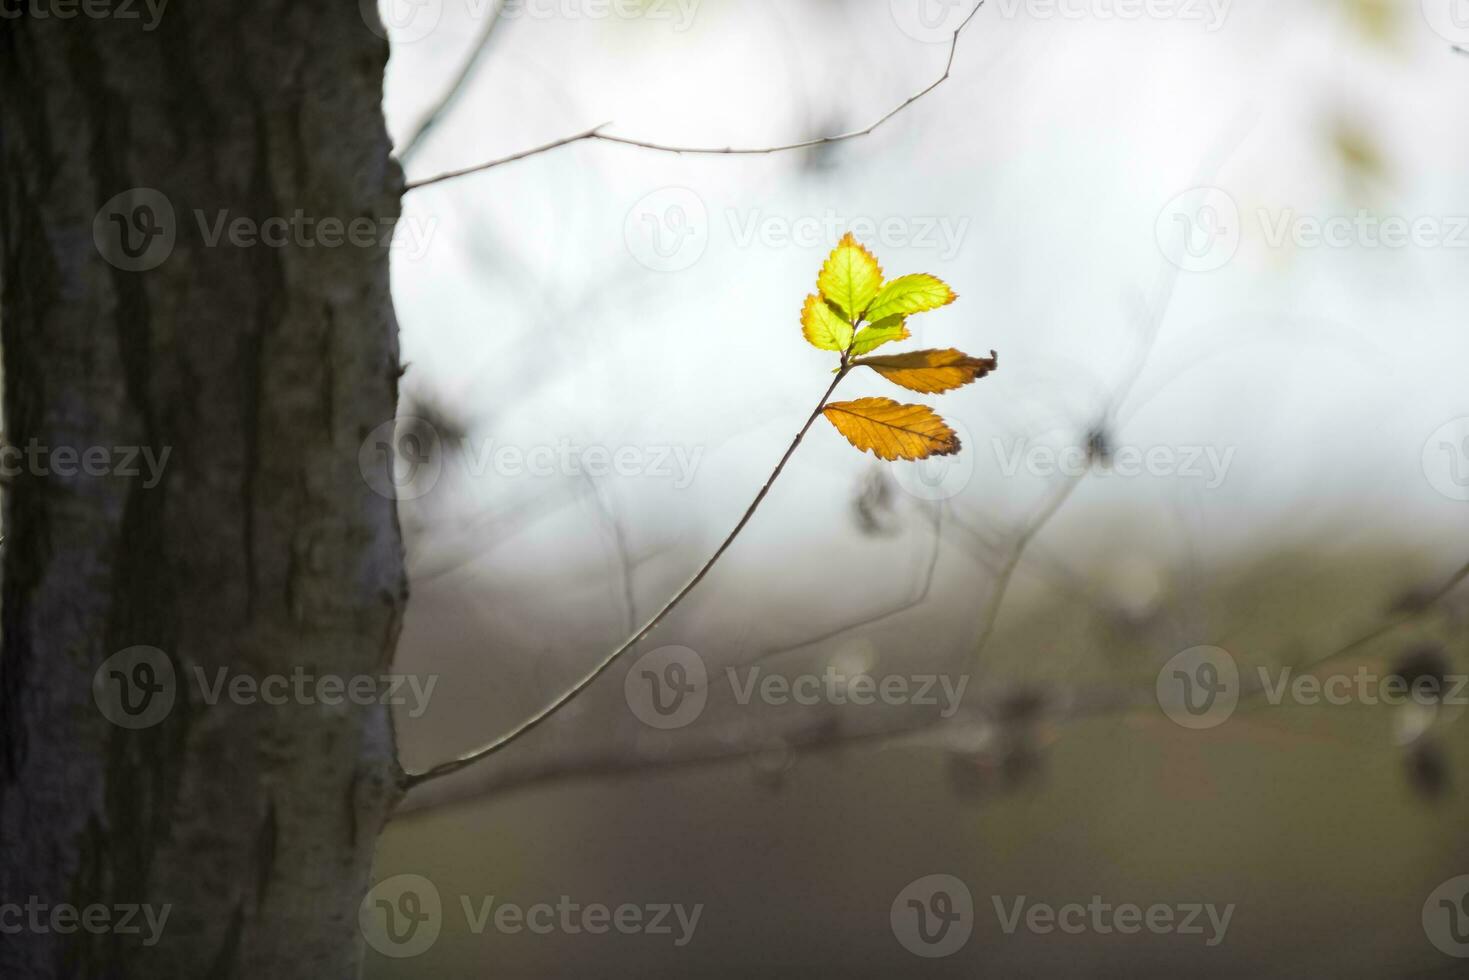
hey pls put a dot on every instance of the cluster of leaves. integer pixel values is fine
(855, 312)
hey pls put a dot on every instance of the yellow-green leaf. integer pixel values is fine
(873, 336)
(932, 371)
(891, 431)
(850, 278)
(907, 295)
(823, 326)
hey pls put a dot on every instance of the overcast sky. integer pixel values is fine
(606, 295)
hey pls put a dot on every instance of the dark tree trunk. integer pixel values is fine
(260, 369)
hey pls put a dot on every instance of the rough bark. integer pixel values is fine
(261, 369)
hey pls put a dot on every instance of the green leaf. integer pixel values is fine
(907, 295)
(871, 337)
(850, 278)
(823, 326)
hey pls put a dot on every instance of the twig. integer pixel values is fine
(1421, 607)
(1027, 534)
(451, 95)
(913, 602)
(1079, 705)
(454, 765)
(1100, 704)
(625, 561)
(990, 618)
(983, 546)
(596, 132)
(1152, 326)
(564, 141)
(698, 746)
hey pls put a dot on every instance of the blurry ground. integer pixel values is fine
(1305, 818)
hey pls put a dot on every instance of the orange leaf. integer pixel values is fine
(932, 371)
(892, 431)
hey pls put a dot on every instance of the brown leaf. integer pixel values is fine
(932, 371)
(891, 431)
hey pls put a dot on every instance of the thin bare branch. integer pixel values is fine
(1152, 317)
(601, 667)
(450, 175)
(991, 617)
(596, 133)
(807, 733)
(445, 102)
(1099, 703)
(818, 732)
(1421, 607)
(625, 564)
(914, 601)
(982, 546)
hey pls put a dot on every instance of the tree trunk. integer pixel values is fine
(260, 368)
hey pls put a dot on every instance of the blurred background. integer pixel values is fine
(1220, 248)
